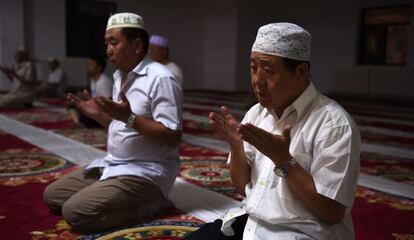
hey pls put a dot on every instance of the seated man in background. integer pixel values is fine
(24, 82)
(295, 155)
(159, 51)
(144, 125)
(100, 85)
(55, 84)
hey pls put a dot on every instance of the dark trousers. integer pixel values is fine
(212, 231)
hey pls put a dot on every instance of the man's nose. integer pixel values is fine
(258, 77)
(109, 51)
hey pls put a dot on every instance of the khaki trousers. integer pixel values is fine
(89, 205)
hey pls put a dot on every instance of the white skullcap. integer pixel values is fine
(125, 20)
(286, 40)
(159, 41)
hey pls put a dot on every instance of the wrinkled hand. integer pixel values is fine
(225, 126)
(87, 107)
(275, 147)
(118, 111)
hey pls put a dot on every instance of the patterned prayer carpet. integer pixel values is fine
(95, 137)
(401, 142)
(54, 102)
(390, 167)
(41, 117)
(25, 171)
(21, 163)
(172, 225)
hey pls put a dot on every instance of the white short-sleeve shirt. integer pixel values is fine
(175, 69)
(26, 70)
(56, 76)
(102, 87)
(154, 93)
(325, 142)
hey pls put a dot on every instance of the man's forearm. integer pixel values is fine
(103, 119)
(104, 122)
(157, 131)
(303, 187)
(239, 168)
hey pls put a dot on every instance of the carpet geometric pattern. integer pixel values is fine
(29, 163)
(21, 163)
(390, 167)
(173, 225)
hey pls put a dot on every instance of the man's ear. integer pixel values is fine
(139, 45)
(303, 70)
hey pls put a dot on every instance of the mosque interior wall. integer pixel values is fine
(211, 41)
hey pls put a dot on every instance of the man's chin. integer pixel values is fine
(263, 102)
(114, 64)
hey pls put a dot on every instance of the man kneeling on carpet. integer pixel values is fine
(144, 131)
(295, 155)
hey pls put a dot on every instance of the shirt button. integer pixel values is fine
(261, 183)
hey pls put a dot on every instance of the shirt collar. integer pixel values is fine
(304, 100)
(140, 69)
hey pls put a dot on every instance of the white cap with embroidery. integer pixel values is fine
(284, 39)
(125, 20)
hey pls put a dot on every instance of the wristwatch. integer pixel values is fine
(131, 120)
(282, 171)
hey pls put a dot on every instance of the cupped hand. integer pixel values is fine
(225, 126)
(119, 111)
(275, 147)
(87, 107)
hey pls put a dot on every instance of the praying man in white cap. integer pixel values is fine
(159, 51)
(24, 81)
(144, 126)
(294, 156)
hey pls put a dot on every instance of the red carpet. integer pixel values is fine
(380, 216)
(25, 171)
(22, 211)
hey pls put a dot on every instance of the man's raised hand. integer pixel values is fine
(225, 126)
(119, 111)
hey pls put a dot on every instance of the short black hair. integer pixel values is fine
(292, 64)
(134, 33)
(100, 60)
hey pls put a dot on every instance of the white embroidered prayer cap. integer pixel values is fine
(283, 39)
(159, 40)
(125, 20)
